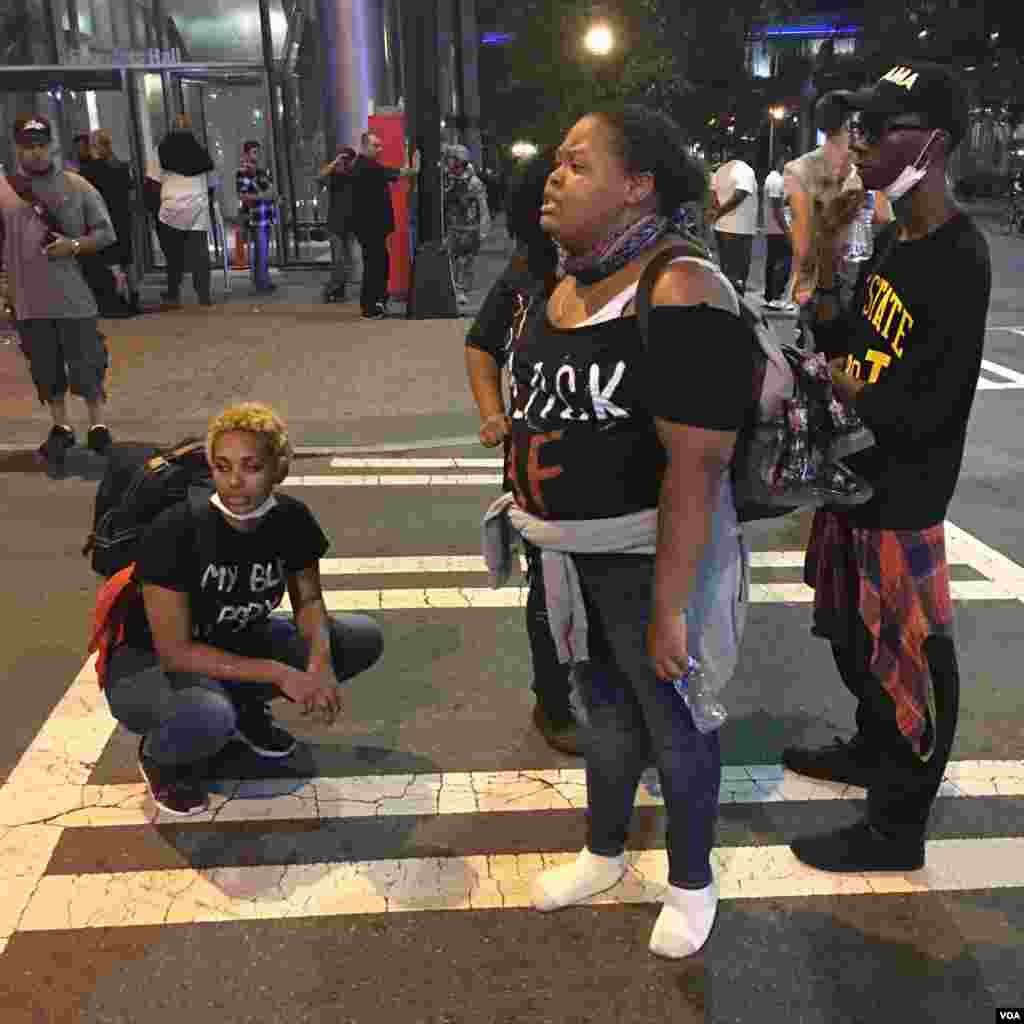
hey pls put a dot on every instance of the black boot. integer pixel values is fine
(842, 761)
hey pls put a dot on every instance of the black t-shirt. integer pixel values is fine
(339, 212)
(914, 334)
(504, 310)
(233, 579)
(584, 444)
(372, 212)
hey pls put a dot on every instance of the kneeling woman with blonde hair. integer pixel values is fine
(200, 666)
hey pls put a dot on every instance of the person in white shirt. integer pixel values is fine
(185, 210)
(734, 218)
(779, 243)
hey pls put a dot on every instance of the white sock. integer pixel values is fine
(685, 921)
(586, 876)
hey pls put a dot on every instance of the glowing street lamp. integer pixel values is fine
(599, 40)
(777, 114)
(523, 150)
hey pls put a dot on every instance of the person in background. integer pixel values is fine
(258, 199)
(734, 218)
(530, 277)
(113, 179)
(54, 309)
(185, 210)
(374, 219)
(778, 243)
(466, 216)
(336, 176)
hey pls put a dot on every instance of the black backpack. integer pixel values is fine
(136, 487)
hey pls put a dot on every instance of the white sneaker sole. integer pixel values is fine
(276, 754)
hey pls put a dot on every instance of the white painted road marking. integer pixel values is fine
(442, 463)
(437, 480)
(1011, 378)
(190, 896)
(500, 792)
(50, 782)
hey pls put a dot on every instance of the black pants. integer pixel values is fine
(550, 677)
(902, 787)
(778, 260)
(734, 254)
(186, 250)
(376, 270)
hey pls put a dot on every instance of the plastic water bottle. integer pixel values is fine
(861, 243)
(708, 712)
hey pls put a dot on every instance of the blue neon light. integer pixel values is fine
(497, 38)
(812, 30)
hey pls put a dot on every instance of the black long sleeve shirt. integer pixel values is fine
(914, 334)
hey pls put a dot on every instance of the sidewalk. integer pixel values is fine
(337, 379)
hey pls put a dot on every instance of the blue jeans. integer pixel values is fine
(635, 717)
(261, 256)
(187, 718)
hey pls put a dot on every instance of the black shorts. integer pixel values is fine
(65, 352)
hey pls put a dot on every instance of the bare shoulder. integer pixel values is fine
(76, 183)
(687, 283)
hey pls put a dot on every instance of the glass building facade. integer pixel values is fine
(297, 75)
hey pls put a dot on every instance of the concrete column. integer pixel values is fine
(470, 77)
(353, 49)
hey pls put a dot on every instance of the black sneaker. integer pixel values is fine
(99, 439)
(176, 790)
(858, 848)
(842, 761)
(56, 445)
(562, 737)
(377, 312)
(258, 731)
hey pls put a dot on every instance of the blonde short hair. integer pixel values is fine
(256, 418)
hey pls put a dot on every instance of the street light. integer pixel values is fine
(777, 114)
(523, 150)
(599, 40)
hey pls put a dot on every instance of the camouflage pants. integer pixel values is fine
(463, 247)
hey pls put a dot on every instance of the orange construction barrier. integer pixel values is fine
(240, 260)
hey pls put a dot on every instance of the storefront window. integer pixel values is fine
(215, 30)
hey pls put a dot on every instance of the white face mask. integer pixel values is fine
(256, 513)
(912, 174)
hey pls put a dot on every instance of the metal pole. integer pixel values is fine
(771, 142)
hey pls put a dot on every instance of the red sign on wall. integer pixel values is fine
(390, 129)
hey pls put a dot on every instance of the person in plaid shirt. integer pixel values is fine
(258, 197)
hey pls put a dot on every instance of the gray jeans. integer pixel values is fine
(186, 717)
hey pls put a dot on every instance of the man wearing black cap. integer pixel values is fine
(906, 356)
(49, 218)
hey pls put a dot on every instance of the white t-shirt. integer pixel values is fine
(184, 201)
(726, 181)
(773, 189)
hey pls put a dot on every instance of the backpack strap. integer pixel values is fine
(689, 250)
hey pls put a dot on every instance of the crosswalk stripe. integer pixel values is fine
(1010, 378)
(338, 888)
(400, 463)
(447, 598)
(394, 565)
(437, 793)
(437, 480)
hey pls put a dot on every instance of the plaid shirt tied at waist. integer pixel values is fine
(901, 582)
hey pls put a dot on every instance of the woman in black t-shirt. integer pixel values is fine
(530, 276)
(619, 457)
(199, 667)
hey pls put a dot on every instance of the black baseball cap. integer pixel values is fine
(916, 87)
(32, 129)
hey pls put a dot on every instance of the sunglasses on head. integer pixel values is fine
(872, 127)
